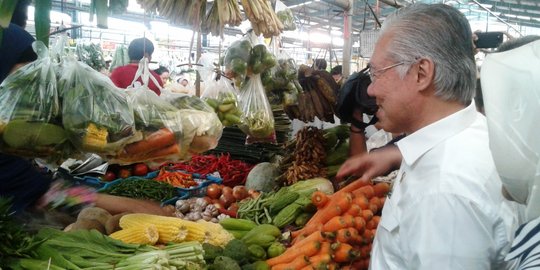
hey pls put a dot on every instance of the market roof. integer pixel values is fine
(325, 13)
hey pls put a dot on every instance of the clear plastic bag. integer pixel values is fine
(222, 96)
(258, 119)
(96, 114)
(202, 130)
(185, 101)
(30, 110)
(157, 120)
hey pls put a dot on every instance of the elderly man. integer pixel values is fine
(446, 210)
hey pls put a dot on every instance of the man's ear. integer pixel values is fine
(425, 73)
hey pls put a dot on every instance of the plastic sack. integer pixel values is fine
(157, 120)
(236, 60)
(258, 119)
(287, 18)
(221, 95)
(282, 81)
(510, 89)
(202, 131)
(120, 57)
(30, 110)
(96, 114)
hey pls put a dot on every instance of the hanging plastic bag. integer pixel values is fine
(257, 120)
(30, 110)
(222, 96)
(159, 122)
(120, 58)
(92, 55)
(202, 130)
(96, 114)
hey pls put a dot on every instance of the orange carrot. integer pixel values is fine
(368, 235)
(354, 210)
(360, 224)
(319, 260)
(377, 202)
(334, 224)
(381, 189)
(366, 190)
(298, 263)
(373, 223)
(166, 151)
(352, 187)
(308, 267)
(383, 199)
(356, 238)
(325, 248)
(367, 214)
(159, 139)
(308, 246)
(319, 199)
(361, 200)
(344, 201)
(344, 252)
(344, 235)
(320, 217)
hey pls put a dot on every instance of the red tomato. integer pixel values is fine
(109, 176)
(140, 169)
(124, 173)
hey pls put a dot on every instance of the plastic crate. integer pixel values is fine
(182, 193)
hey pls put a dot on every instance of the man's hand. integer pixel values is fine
(367, 166)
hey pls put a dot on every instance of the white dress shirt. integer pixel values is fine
(446, 209)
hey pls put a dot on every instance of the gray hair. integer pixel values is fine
(440, 33)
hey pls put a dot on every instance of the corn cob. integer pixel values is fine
(143, 234)
(170, 229)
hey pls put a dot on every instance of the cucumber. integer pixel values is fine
(236, 224)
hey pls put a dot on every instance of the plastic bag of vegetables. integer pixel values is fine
(96, 114)
(257, 120)
(287, 18)
(120, 57)
(185, 101)
(158, 120)
(30, 110)
(202, 130)
(221, 95)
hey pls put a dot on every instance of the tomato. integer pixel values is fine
(140, 169)
(124, 173)
(109, 176)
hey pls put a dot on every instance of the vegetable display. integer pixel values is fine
(233, 172)
(141, 188)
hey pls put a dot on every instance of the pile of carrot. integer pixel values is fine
(340, 234)
(176, 178)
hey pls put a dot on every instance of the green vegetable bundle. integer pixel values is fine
(120, 57)
(141, 188)
(30, 110)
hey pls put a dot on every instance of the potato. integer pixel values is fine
(96, 213)
(88, 224)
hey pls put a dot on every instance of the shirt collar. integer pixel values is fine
(413, 146)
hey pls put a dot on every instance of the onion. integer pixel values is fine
(226, 199)
(213, 191)
(240, 193)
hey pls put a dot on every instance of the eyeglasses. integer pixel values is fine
(373, 74)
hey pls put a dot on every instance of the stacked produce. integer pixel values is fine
(308, 158)
(186, 12)
(223, 198)
(170, 229)
(233, 172)
(318, 98)
(288, 206)
(262, 17)
(56, 250)
(340, 233)
(222, 12)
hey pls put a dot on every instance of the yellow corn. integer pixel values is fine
(95, 137)
(171, 229)
(218, 236)
(143, 234)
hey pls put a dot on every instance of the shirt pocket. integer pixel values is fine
(389, 219)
